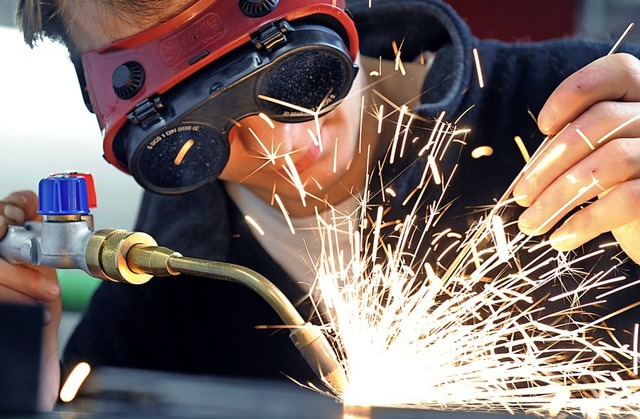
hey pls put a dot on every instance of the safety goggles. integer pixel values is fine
(166, 98)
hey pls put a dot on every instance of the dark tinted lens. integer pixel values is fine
(179, 159)
(311, 78)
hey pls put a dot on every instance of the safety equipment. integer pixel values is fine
(166, 98)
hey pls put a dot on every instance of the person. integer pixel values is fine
(202, 326)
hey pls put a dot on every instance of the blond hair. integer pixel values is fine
(40, 19)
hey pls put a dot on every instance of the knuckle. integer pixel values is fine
(626, 155)
(23, 199)
(606, 110)
(585, 219)
(628, 64)
(633, 193)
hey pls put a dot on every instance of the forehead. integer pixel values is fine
(93, 24)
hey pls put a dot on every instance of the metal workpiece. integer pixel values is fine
(55, 243)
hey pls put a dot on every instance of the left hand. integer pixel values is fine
(594, 119)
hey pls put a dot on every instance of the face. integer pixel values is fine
(321, 151)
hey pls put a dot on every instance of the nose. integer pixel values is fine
(258, 132)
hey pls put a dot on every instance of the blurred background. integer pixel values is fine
(45, 127)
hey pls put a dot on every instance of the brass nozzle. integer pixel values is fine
(316, 350)
(106, 255)
(154, 260)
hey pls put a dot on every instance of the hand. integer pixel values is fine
(594, 120)
(33, 285)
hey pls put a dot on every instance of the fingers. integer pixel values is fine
(594, 120)
(33, 285)
(615, 209)
(28, 283)
(17, 208)
(615, 163)
(612, 78)
(601, 124)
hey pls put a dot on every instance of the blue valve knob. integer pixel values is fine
(63, 194)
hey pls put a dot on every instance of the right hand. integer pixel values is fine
(29, 284)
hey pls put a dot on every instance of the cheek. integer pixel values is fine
(250, 133)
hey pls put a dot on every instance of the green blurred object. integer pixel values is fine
(77, 289)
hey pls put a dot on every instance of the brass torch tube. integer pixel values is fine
(241, 275)
(309, 339)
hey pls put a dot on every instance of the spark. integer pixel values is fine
(254, 224)
(397, 50)
(292, 172)
(335, 156)
(414, 330)
(635, 349)
(621, 39)
(285, 213)
(476, 58)
(378, 72)
(271, 156)
(380, 116)
(585, 139)
(522, 148)
(618, 128)
(394, 142)
(482, 151)
(71, 386)
(550, 159)
(434, 169)
(422, 316)
(266, 119)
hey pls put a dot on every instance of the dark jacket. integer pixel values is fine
(206, 326)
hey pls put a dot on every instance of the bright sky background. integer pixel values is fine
(45, 127)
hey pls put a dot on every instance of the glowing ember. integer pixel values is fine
(522, 148)
(71, 386)
(483, 151)
(476, 59)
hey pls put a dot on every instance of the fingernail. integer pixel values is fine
(51, 287)
(47, 316)
(562, 240)
(547, 119)
(522, 199)
(14, 213)
(521, 192)
(528, 220)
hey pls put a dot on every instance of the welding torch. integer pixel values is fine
(66, 239)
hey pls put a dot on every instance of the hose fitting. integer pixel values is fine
(106, 255)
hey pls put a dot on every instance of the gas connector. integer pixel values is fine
(60, 240)
(65, 239)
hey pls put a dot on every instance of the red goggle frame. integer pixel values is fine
(173, 50)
